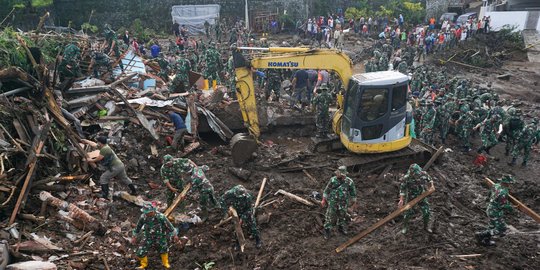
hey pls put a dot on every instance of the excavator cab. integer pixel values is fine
(376, 115)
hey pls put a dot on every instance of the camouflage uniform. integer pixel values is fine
(111, 38)
(428, 124)
(322, 102)
(465, 127)
(171, 171)
(441, 119)
(69, 66)
(202, 185)
(213, 64)
(524, 144)
(488, 134)
(402, 67)
(164, 68)
(338, 193)
(157, 231)
(242, 201)
(498, 204)
(371, 66)
(511, 129)
(101, 60)
(274, 83)
(383, 63)
(413, 184)
(181, 80)
(232, 75)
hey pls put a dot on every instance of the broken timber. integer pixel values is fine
(260, 193)
(522, 207)
(294, 197)
(383, 221)
(238, 228)
(433, 158)
(177, 200)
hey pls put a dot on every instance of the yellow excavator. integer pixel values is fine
(372, 117)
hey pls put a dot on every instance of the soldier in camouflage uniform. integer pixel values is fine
(164, 67)
(213, 64)
(428, 122)
(488, 133)
(465, 125)
(512, 128)
(193, 59)
(274, 84)
(180, 83)
(157, 232)
(442, 118)
(201, 184)
(413, 184)
(498, 204)
(111, 41)
(242, 201)
(322, 103)
(172, 172)
(402, 67)
(371, 65)
(525, 140)
(383, 62)
(101, 60)
(231, 71)
(69, 66)
(338, 194)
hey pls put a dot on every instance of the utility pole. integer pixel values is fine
(247, 16)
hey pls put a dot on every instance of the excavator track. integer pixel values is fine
(416, 152)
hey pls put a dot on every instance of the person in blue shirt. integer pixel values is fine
(300, 85)
(155, 50)
(180, 128)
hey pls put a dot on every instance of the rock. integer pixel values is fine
(505, 77)
(32, 265)
(243, 174)
(133, 163)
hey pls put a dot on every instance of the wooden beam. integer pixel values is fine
(433, 158)
(37, 146)
(309, 176)
(223, 222)
(383, 221)
(522, 207)
(294, 197)
(260, 193)
(177, 200)
(238, 229)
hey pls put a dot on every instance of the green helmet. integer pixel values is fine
(149, 207)
(167, 158)
(415, 168)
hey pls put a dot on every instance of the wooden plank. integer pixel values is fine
(238, 229)
(433, 158)
(223, 222)
(294, 197)
(177, 200)
(260, 193)
(309, 176)
(522, 207)
(383, 221)
(23, 135)
(31, 163)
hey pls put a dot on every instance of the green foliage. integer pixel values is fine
(287, 20)
(89, 27)
(207, 265)
(11, 53)
(140, 32)
(355, 13)
(18, 6)
(41, 3)
(508, 33)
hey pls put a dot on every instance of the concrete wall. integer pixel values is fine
(435, 8)
(514, 18)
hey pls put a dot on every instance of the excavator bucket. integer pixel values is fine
(243, 146)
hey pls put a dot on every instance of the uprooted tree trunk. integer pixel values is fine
(78, 217)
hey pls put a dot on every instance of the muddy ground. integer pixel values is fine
(291, 232)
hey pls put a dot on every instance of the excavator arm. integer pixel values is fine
(282, 58)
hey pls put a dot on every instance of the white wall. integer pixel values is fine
(514, 18)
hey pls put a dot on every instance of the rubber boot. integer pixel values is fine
(105, 191)
(405, 228)
(144, 262)
(482, 148)
(326, 233)
(165, 260)
(524, 164)
(343, 230)
(206, 85)
(427, 226)
(258, 242)
(487, 150)
(513, 162)
(214, 85)
(133, 190)
(507, 153)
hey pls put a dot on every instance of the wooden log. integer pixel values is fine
(177, 200)
(238, 228)
(79, 216)
(466, 256)
(294, 197)
(522, 207)
(433, 158)
(31, 162)
(130, 198)
(260, 193)
(383, 221)
(32, 265)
